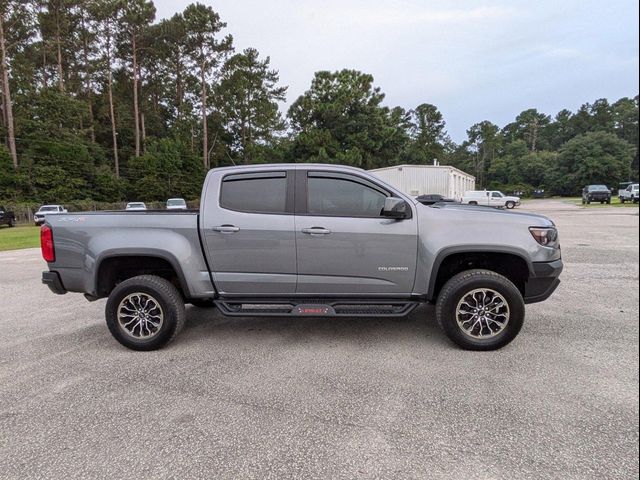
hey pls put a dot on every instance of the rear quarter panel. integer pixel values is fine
(82, 241)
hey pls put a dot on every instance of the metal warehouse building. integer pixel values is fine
(417, 180)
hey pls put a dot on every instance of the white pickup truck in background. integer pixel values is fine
(39, 216)
(490, 198)
(629, 194)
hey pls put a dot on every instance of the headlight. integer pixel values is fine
(545, 236)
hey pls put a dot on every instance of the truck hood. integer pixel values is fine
(474, 213)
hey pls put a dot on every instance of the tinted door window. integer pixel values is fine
(496, 195)
(343, 196)
(255, 193)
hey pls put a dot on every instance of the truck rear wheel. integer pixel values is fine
(480, 310)
(145, 312)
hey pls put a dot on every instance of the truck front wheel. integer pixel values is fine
(145, 312)
(480, 310)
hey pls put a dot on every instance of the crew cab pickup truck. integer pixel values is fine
(305, 240)
(596, 193)
(6, 217)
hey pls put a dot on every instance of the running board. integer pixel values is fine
(306, 307)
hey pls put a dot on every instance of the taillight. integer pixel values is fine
(46, 244)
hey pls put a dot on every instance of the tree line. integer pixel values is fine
(100, 101)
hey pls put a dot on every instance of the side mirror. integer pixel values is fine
(395, 208)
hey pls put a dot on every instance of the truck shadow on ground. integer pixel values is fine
(209, 323)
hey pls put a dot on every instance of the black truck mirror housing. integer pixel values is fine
(395, 208)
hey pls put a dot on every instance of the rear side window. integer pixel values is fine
(255, 192)
(343, 196)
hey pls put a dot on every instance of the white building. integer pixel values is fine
(417, 180)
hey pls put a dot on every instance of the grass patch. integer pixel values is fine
(19, 237)
(615, 202)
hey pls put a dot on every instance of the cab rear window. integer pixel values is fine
(255, 192)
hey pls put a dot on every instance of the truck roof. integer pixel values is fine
(295, 166)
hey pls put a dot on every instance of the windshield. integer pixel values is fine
(594, 188)
(48, 209)
(135, 205)
(176, 202)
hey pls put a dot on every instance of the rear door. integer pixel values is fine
(344, 246)
(248, 229)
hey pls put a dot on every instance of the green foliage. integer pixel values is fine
(247, 99)
(7, 175)
(340, 119)
(594, 158)
(427, 136)
(167, 169)
(77, 126)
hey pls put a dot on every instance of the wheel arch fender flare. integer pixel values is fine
(446, 252)
(134, 252)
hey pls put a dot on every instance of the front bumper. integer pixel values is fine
(53, 281)
(543, 282)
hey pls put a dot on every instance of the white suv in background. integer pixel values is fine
(490, 198)
(630, 194)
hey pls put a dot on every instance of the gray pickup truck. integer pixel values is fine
(306, 240)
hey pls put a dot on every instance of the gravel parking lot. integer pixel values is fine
(331, 398)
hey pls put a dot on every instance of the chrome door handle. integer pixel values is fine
(316, 231)
(226, 229)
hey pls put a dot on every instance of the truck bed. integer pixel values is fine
(84, 240)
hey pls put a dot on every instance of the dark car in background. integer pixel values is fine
(7, 217)
(430, 199)
(596, 193)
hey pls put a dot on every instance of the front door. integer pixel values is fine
(496, 200)
(249, 235)
(344, 246)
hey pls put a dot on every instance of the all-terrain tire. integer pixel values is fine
(460, 286)
(164, 293)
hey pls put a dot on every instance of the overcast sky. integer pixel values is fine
(483, 60)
